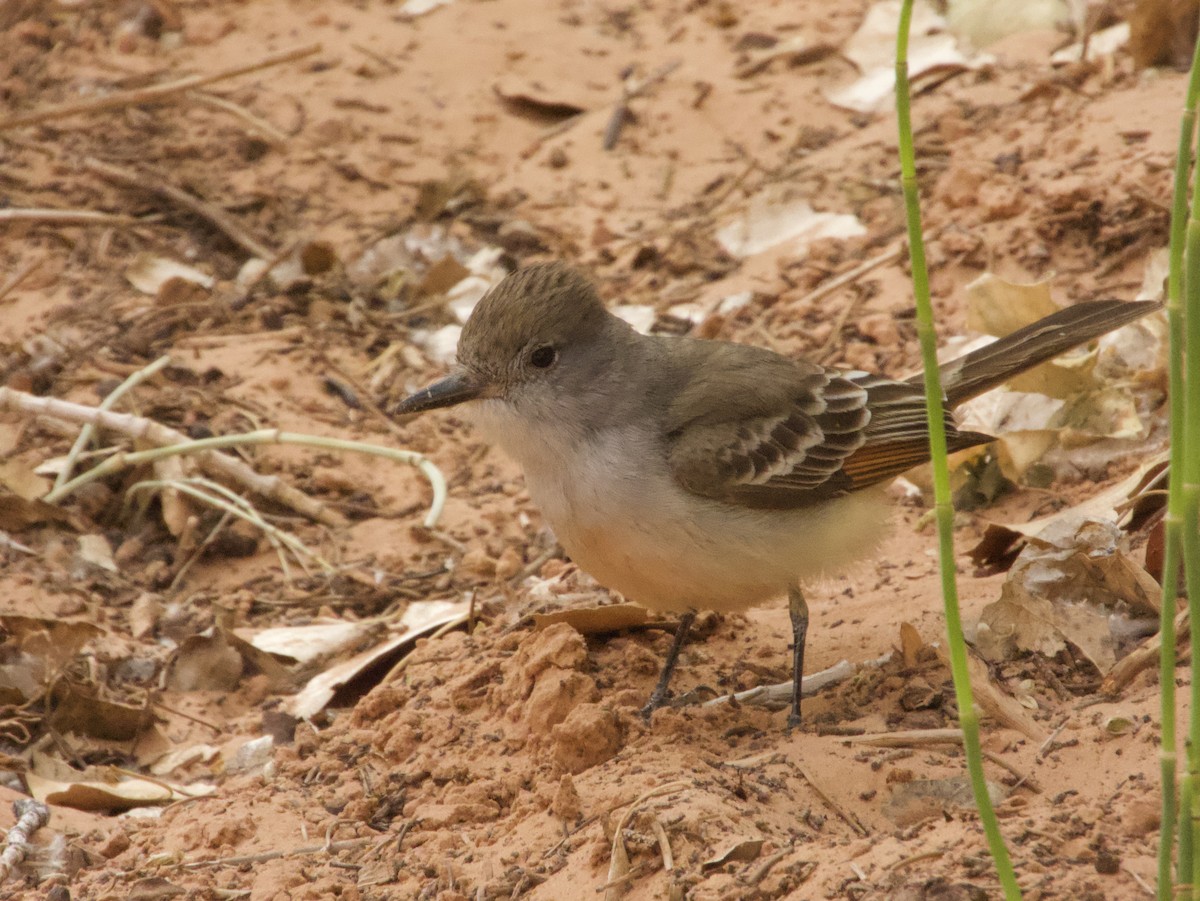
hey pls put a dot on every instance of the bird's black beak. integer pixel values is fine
(455, 388)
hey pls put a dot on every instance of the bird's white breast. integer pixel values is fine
(612, 502)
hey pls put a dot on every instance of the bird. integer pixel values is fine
(690, 474)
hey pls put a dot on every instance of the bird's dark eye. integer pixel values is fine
(543, 357)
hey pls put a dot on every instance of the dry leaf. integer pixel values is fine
(305, 644)
(741, 851)
(96, 550)
(149, 273)
(1066, 585)
(176, 509)
(21, 480)
(872, 49)
(533, 98)
(995, 703)
(910, 644)
(344, 683)
(595, 620)
(120, 794)
(205, 662)
(78, 709)
(995, 549)
(774, 218)
(17, 514)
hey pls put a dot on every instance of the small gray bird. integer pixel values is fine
(690, 474)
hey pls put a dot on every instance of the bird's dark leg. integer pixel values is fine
(659, 695)
(798, 609)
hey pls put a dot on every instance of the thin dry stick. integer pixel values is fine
(14, 280)
(907, 738)
(210, 213)
(779, 695)
(63, 217)
(851, 820)
(256, 123)
(153, 94)
(138, 427)
(31, 816)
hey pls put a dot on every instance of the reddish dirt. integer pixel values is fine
(499, 764)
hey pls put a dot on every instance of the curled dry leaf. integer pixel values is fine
(80, 709)
(345, 682)
(96, 551)
(305, 644)
(741, 851)
(122, 793)
(1066, 586)
(774, 217)
(531, 97)
(595, 620)
(872, 49)
(150, 274)
(996, 548)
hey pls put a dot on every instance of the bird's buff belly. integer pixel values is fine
(692, 553)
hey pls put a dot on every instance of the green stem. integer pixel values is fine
(943, 505)
(1173, 525)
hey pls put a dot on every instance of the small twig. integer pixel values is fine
(348, 844)
(851, 820)
(14, 280)
(846, 278)
(1023, 779)
(620, 113)
(378, 57)
(256, 123)
(664, 845)
(31, 816)
(908, 738)
(210, 213)
(154, 93)
(759, 873)
(1050, 739)
(1142, 657)
(778, 696)
(89, 430)
(913, 858)
(63, 217)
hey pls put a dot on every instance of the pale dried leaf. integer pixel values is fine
(95, 550)
(205, 662)
(740, 851)
(773, 218)
(120, 794)
(910, 644)
(304, 644)
(148, 273)
(21, 480)
(184, 757)
(595, 620)
(419, 620)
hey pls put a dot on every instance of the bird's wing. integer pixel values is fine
(827, 433)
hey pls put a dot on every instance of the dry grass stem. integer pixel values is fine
(210, 213)
(154, 93)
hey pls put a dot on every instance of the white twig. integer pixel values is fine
(31, 816)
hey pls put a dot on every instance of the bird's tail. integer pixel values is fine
(983, 369)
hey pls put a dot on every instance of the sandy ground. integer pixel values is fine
(500, 764)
